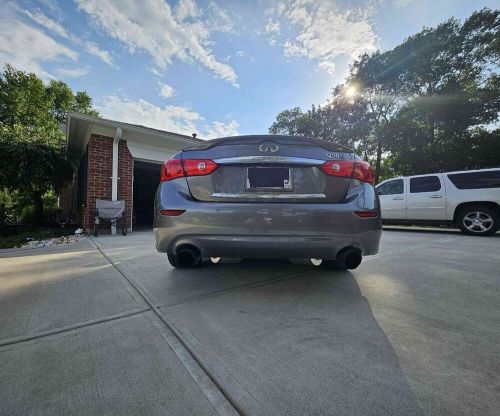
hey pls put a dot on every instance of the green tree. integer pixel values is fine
(32, 165)
(31, 142)
(63, 100)
(452, 84)
(421, 106)
(342, 120)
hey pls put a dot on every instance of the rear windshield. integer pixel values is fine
(476, 180)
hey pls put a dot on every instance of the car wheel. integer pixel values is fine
(478, 220)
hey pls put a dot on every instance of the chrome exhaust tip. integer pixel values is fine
(316, 262)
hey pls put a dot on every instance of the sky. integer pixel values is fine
(214, 67)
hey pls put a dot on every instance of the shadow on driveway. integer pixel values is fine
(307, 344)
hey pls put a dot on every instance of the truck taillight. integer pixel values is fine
(355, 169)
(177, 168)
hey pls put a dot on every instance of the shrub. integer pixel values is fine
(51, 214)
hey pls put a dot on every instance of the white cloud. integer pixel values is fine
(186, 9)
(166, 90)
(218, 19)
(93, 49)
(173, 118)
(154, 71)
(321, 30)
(53, 7)
(151, 26)
(72, 73)
(273, 27)
(26, 48)
(58, 29)
(402, 3)
(220, 129)
(48, 23)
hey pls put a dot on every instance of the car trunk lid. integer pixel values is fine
(268, 169)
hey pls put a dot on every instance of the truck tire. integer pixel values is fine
(478, 220)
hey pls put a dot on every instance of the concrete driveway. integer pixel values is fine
(110, 328)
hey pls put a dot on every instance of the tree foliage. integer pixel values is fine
(429, 104)
(32, 146)
(32, 165)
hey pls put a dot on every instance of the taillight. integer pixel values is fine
(176, 168)
(341, 168)
(199, 167)
(171, 169)
(355, 169)
(363, 171)
(366, 214)
(172, 212)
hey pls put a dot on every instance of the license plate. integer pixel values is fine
(268, 178)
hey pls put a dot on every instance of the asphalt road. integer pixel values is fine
(110, 328)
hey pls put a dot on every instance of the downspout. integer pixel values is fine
(114, 170)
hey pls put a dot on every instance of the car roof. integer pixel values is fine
(443, 173)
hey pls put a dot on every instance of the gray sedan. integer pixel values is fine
(267, 197)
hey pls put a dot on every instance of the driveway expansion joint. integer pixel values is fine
(200, 372)
(69, 328)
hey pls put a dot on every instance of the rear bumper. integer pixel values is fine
(273, 230)
(264, 246)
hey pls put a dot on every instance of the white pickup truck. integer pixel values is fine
(469, 200)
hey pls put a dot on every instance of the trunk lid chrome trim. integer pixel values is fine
(267, 195)
(269, 159)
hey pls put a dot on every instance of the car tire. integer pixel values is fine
(480, 220)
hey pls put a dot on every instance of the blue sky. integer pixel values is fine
(213, 67)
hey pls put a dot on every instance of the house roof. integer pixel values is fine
(79, 127)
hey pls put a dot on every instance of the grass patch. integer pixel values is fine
(16, 236)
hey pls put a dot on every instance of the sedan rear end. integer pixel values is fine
(267, 197)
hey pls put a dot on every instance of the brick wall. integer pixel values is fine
(99, 172)
(126, 178)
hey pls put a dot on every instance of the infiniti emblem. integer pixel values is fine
(269, 148)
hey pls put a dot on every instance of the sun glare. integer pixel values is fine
(350, 91)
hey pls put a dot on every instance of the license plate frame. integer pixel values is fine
(250, 181)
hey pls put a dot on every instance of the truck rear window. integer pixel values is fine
(476, 180)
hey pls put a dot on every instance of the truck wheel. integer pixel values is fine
(478, 220)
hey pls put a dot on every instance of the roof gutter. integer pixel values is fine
(114, 170)
(68, 124)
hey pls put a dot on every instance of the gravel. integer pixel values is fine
(65, 239)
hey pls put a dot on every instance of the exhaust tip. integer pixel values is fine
(316, 262)
(187, 257)
(349, 258)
